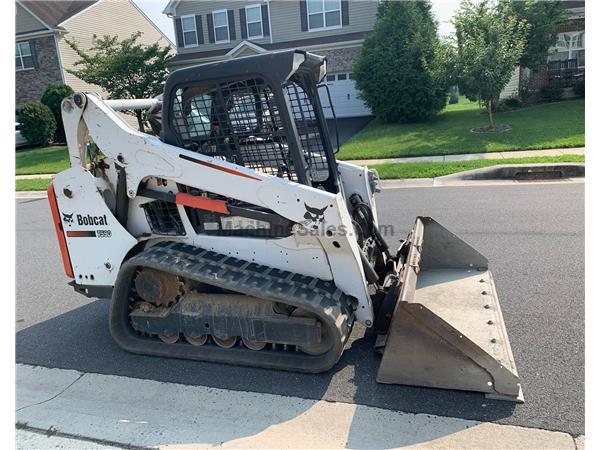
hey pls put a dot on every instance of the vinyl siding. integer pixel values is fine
(195, 7)
(26, 23)
(109, 17)
(285, 21)
(512, 88)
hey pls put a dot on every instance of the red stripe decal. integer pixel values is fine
(81, 234)
(207, 204)
(217, 167)
(62, 243)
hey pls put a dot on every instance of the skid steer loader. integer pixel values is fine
(233, 235)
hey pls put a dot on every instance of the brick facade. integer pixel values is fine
(339, 60)
(30, 84)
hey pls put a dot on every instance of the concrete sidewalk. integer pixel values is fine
(465, 157)
(472, 156)
(35, 176)
(128, 412)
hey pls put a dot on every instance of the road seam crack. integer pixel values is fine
(81, 375)
(85, 438)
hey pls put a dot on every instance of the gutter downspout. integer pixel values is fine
(60, 64)
(270, 26)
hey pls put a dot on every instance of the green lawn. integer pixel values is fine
(42, 160)
(551, 125)
(33, 184)
(437, 169)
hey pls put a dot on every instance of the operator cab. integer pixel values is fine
(262, 112)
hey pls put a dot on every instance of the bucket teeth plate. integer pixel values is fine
(447, 330)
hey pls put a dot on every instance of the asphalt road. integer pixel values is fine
(532, 234)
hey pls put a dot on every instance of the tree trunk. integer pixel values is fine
(489, 112)
(138, 115)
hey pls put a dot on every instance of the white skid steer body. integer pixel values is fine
(233, 235)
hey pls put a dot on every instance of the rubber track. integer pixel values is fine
(318, 296)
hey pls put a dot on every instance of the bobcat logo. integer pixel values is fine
(68, 218)
(314, 216)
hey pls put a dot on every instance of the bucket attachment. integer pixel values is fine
(447, 329)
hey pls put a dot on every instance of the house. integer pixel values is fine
(566, 59)
(43, 56)
(215, 30)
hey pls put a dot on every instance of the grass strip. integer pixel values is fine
(390, 171)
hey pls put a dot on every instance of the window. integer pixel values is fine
(221, 26)
(188, 26)
(330, 77)
(569, 46)
(342, 76)
(324, 14)
(24, 56)
(254, 21)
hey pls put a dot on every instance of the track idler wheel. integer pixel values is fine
(326, 342)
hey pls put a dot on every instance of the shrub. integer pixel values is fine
(498, 106)
(552, 92)
(37, 123)
(579, 88)
(400, 70)
(513, 102)
(52, 98)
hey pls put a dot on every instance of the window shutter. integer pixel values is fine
(211, 28)
(231, 24)
(303, 16)
(345, 13)
(265, 19)
(179, 32)
(199, 30)
(243, 26)
(34, 54)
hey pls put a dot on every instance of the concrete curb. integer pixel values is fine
(147, 413)
(542, 171)
(19, 195)
(503, 174)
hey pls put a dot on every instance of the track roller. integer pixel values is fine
(253, 345)
(169, 338)
(227, 342)
(196, 340)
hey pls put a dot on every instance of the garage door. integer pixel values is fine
(344, 97)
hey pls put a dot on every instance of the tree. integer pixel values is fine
(52, 98)
(544, 19)
(489, 47)
(125, 69)
(37, 123)
(399, 71)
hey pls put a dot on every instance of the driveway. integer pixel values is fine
(347, 127)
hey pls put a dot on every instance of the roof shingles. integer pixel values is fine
(53, 13)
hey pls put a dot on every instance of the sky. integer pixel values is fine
(443, 10)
